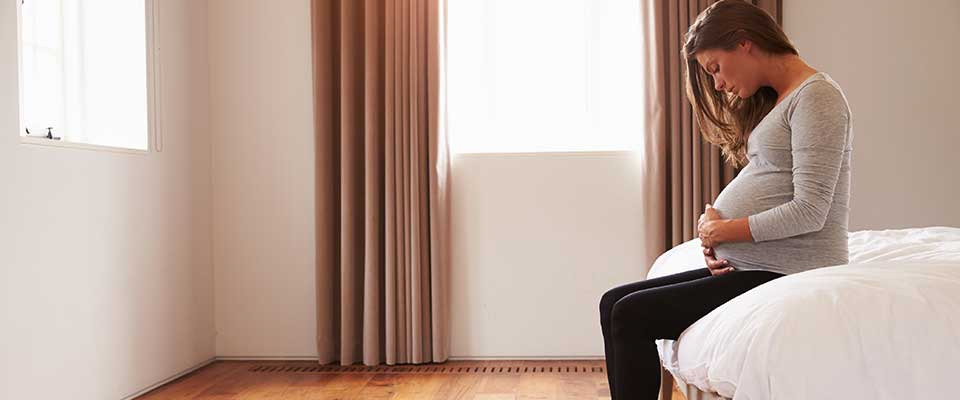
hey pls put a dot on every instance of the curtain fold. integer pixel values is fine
(682, 172)
(382, 181)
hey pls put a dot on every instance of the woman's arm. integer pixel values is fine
(716, 231)
(819, 126)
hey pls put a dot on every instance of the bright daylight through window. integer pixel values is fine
(544, 75)
(83, 71)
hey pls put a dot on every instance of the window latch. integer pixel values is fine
(48, 136)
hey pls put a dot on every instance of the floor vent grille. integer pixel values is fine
(428, 369)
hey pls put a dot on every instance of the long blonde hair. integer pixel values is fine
(724, 120)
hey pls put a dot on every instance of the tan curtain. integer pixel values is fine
(682, 172)
(382, 182)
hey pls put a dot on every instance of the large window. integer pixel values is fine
(544, 75)
(84, 71)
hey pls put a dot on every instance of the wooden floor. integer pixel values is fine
(467, 380)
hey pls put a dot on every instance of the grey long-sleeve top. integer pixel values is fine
(795, 189)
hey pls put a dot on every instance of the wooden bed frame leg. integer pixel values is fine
(666, 384)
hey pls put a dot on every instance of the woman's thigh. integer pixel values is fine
(613, 295)
(664, 312)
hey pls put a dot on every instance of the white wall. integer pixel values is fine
(896, 61)
(261, 118)
(534, 249)
(537, 239)
(106, 264)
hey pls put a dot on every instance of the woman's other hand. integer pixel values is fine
(706, 230)
(717, 267)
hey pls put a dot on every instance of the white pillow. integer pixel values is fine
(685, 256)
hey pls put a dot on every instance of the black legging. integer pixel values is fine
(632, 316)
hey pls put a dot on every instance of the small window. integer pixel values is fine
(86, 72)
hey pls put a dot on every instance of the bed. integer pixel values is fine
(884, 326)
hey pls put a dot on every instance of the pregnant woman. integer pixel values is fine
(789, 127)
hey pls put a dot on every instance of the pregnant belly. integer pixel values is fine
(749, 194)
(752, 192)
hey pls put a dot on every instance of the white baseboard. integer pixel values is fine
(267, 358)
(170, 379)
(536, 358)
(459, 358)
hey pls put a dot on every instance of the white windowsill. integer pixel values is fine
(39, 141)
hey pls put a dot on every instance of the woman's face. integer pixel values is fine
(734, 71)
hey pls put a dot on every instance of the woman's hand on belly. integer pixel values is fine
(712, 229)
(717, 267)
(706, 230)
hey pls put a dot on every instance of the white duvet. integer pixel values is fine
(885, 326)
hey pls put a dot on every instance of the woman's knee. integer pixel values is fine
(606, 303)
(633, 315)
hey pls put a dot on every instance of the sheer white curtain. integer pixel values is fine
(544, 75)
